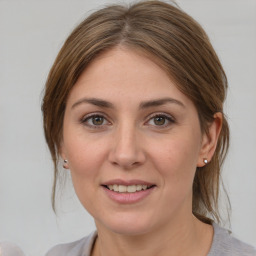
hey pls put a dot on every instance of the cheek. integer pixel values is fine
(83, 152)
(85, 159)
(177, 159)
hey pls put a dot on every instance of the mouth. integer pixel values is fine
(128, 189)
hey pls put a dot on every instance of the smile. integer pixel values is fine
(128, 189)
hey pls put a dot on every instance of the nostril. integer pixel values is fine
(125, 162)
(126, 152)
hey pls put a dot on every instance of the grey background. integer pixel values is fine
(31, 33)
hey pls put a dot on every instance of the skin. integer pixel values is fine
(131, 138)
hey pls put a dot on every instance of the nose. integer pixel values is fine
(127, 150)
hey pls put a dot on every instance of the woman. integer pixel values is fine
(133, 106)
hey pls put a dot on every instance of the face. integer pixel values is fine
(133, 142)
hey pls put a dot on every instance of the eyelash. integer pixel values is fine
(168, 118)
(86, 119)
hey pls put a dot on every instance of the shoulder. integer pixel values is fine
(81, 247)
(8, 248)
(225, 244)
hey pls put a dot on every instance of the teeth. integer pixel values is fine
(122, 188)
(129, 189)
(138, 187)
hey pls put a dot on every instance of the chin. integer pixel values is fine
(126, 225)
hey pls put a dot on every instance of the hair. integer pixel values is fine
(181, 47)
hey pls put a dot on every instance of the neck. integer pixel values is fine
(192, 237)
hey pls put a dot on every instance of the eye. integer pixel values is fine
(97, 120)
(161, 120)
(94, 121)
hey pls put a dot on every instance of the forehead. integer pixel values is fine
(126, 75)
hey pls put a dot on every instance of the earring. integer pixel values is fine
(205, 161)
(65, 165)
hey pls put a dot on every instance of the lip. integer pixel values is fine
(128, 198)
(127, 183)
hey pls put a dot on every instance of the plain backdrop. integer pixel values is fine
(31, 34)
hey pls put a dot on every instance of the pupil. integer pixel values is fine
(159, 120)
(97, 120)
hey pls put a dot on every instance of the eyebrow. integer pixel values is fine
(94, 101)
(143, 105)
(160, 102)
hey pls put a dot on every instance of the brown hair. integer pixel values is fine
(173, 39)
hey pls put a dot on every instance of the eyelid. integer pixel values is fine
(155, 114)
(91, 115)
(169, 117)
(86, 117)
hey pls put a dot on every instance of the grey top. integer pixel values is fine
(10, 249)
(224, 244)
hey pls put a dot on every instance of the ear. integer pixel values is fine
(210, 140)
(62, 154)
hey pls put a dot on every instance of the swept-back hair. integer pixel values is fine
(178, 44)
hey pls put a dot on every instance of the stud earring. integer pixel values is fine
(205, 161)
(65, 165)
